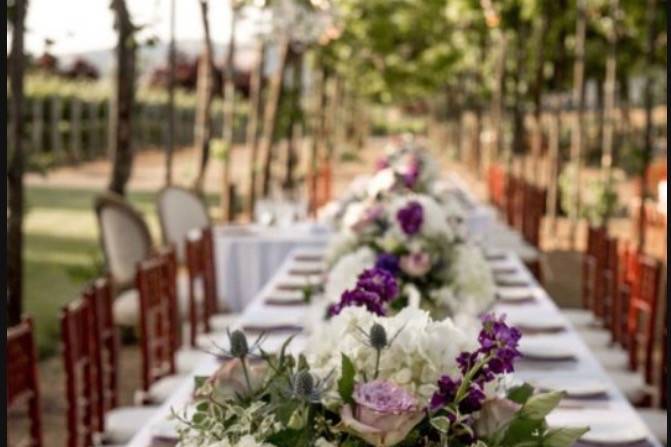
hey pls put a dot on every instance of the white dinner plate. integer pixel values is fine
(538, 323)
(574, 387)
(546, 349)
(515, 294)
(615, 433)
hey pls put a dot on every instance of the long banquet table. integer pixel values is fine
(613, 413)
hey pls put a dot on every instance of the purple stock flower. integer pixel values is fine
(379, 281)
(500, 341)
(411, 174)
(411, 217)
(447, 391)
(388, 262)
(358, 297)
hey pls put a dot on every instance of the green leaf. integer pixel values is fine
(200, 381)
(520, 430)
(520, 394)
(564, 436)
(441, 423)
(346, 381)
(538, 406)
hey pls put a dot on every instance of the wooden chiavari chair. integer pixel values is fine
(22, 383)
(81, 374)
(204, 309)
(158, 334)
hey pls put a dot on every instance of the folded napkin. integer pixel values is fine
(511, 282)
(309, 257)
(306, 271)
(285, 298)
(257, 328)
(504, 270)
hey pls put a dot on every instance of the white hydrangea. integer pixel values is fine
(245, 441)
(340, 244)
(383, 181)
(345, 272)
(472, 280)
(422, 352)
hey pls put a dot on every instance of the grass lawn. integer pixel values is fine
(62, 252)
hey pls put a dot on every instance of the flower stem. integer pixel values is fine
(377, 363)
(244, 370)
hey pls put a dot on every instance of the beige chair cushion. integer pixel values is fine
(126, 308)
(579, 318)
(122, 423)
(656, 420)
(180, 211)
(188, 359)
(125, 243)
(164, 388)
(631, 384)
(221, 322)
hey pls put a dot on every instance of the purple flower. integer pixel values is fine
(411, 217)
(388, 262)
(500, 341)
(447, 391)
(411, 174)
(473, 400)
(358, 297)
(379, 281)
(381, 163)
(416, 264)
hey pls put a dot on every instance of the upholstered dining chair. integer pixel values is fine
(22, 383)
(125, 240)
(180, 210)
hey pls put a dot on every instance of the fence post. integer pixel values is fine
(37, 125)
(55, 118)
(76, 128)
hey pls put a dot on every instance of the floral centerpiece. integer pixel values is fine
(374, 381)
(413, 239)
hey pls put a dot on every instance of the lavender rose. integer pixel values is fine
(415, 264)
(385, 413)
(411, 217)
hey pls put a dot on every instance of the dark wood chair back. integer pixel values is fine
(595, 237)
(642, 314)
(609, 280)
(106, 337)
(79, 359)
(158, 309)
(202, 280)
(22, 383)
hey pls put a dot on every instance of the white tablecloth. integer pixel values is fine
(616, 410)
(246, 257)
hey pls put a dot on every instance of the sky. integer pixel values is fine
(83, 25)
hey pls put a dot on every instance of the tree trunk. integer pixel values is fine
(256, 84)
(609, 101)
(577, 134)
(229, 121)
(537, 145)
(15, 170)
(122, 162)
(172, 62)
(519, 146)
(205, 95)
(270, 115)
(648, 133)
(293, 138)
(554, 126)
(497, 99)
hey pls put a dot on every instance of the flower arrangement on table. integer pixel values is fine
(367, 380)
(412, 238)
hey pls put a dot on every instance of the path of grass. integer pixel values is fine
(62, 252)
